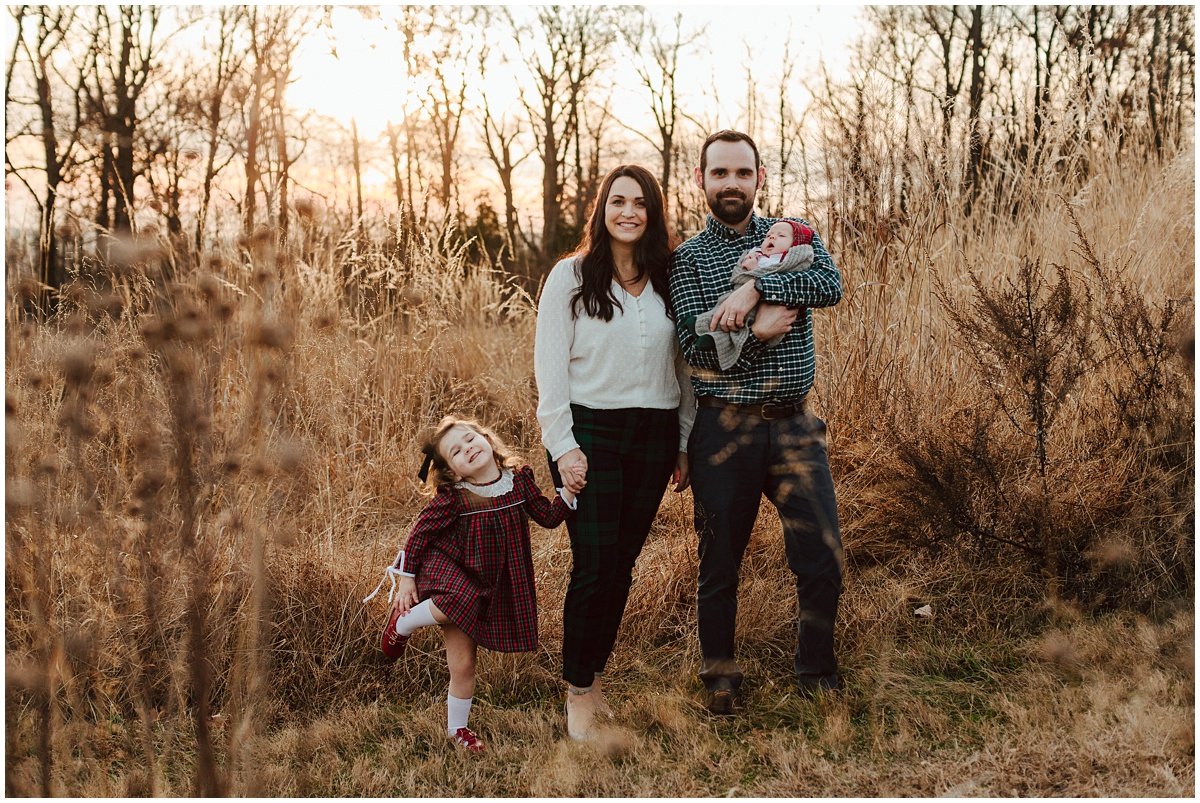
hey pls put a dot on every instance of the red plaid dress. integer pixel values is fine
(471, 556)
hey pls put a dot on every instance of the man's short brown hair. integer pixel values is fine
(728, 135)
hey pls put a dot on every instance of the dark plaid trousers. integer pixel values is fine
(734, 459)
(631, 454)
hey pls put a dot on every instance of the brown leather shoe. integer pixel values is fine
(722, 702)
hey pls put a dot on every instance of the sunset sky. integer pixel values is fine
(352, 69)
(367, 58)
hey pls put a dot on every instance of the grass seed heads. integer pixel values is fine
(78, 362)
(273, 335)
(19, 493)
(232, 463)
(289, 455)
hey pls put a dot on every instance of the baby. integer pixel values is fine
(787, 247)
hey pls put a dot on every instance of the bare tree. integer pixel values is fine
(283, 127)
(450, 28)
(267, 27)
(944, 23)
(564, 48)
(978, 51)
(356, 161)
(275, 35)
(787, 133)
(229, 61)
(122, 59)
(657, 66)
(499, 137)
(60, 153)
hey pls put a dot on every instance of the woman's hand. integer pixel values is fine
(680, 476)
(572, 467)
(406, 595)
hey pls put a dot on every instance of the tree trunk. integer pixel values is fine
(253, 132)
(975, 102)
(358, 206)
(124, 174)
(49, 269)
(551, 189)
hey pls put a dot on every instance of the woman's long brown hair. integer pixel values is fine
(651, 253)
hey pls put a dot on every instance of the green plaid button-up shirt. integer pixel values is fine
(700, 270)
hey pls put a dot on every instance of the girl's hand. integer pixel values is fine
(572, 467)
(406, 595)
(750, 262)
(680, 476)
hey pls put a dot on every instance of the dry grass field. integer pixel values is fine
(208, 466)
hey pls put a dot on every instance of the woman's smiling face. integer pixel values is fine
(625, 211)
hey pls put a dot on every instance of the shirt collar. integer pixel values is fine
(722, 232)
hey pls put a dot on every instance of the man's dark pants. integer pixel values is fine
(735, 458)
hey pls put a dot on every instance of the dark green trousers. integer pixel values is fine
(631, 454)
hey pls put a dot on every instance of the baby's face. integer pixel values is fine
(778, 239)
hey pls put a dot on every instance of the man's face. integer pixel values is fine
(730, 181)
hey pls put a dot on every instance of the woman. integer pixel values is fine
(615, 407)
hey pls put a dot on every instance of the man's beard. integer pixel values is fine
(731, 207)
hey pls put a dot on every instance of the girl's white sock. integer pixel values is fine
(457, 712)
(420, 615)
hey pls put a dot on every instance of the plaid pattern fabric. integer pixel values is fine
(631, 454)
(472, 557)
(700, 276)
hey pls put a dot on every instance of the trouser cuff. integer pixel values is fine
(720, 673)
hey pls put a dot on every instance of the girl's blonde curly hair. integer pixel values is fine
(441, 473)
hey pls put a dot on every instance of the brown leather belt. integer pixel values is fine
(767, 410)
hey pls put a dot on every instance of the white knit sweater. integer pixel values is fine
(631, 361)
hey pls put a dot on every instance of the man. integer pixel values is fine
(753, 433)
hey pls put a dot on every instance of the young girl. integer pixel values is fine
(467, 565)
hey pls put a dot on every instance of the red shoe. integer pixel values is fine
(467, 740)
(393, 643)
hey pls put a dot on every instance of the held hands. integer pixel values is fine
(406, 595)
(572, 467)
(730, 314)
(680, 476)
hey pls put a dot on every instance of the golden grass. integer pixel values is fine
(240, 471)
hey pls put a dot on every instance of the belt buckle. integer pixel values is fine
(767, 416)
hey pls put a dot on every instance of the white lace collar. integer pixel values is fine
(497, 488)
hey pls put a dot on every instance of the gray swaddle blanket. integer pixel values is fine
(729, 344)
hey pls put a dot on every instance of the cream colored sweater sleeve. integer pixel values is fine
(551, 360)
(687, 399)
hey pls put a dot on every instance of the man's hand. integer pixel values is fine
(572, 467)
(730, 314)
(680, 476)
(773, 320)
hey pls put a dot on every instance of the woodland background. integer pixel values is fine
(222, 340)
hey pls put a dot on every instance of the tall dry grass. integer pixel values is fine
(209, 464)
